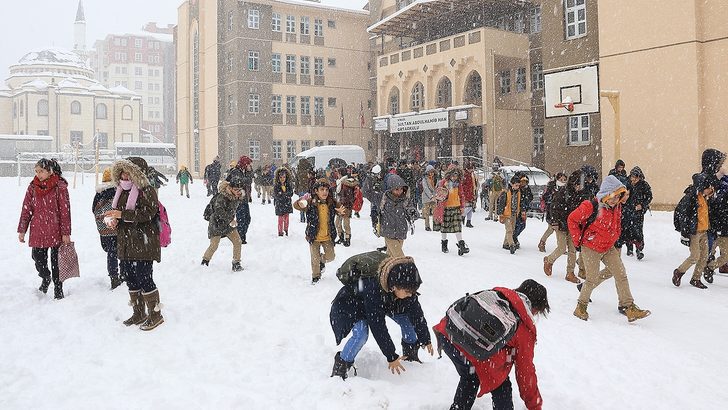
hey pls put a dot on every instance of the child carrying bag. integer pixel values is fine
(67, 262)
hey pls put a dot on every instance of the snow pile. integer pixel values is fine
(260, 339)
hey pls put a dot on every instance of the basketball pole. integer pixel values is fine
(613, 97)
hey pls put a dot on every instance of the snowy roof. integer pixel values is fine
(323, 6)
(98, 88)
(407, 114)
(53, 56)
(37, 84)
(22, 137)
(71, 83)
(121, 90)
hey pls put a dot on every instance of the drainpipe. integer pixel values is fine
(613, 97)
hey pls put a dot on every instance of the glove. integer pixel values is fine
(685, 241)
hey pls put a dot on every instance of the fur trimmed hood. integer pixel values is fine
(399, 271)
(137, 169)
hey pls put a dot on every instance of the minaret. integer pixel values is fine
(79, 31)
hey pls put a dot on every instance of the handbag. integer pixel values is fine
(67, 262)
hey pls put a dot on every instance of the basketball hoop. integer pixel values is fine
(567, 103)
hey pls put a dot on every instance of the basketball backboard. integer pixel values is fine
(572, 92)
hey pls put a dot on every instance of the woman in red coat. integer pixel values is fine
(47, 211)
(491, 375)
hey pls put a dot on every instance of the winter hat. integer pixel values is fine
(712, 161)
(636, 171)
(401, 272)
(611, 187)
(515, 179)
(619, 163)
(244, 161)
(232, 164)
(106, 176)
(429, 169)
(376, 169)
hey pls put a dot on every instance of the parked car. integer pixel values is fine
(537, 180)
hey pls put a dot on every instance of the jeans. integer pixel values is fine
(360, 334)
(519, 227)
(242, 214)
(138, 275)
(502, 396)
(374, 214)
(108, 244)
(40, 257)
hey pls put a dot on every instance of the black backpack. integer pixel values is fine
(481, 323)
(682, 210)
(210, 208)
(365, 265)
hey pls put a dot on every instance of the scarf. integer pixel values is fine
(452, 184)
(42, 188)
(133, 195)
(560, 184)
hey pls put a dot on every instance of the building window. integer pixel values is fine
(332, 62)
(332, 102)
(276, 104)
(305, 145)
(318, 66)
(254, 149)
(138, 57)
(101, 111)
(318, 143)
(277, 149)
(332, 24)
(139, 71)
(253, 57)
(418, 96)
(538, 143)
(290, 24)
(276, 63)
(579, 132)
(536, 19)
(102, 139)
(505, 81)
(138, 85)
(42, 108)
(275, 24)
(254, 103)
(394, 101)
(290, 64)
(230, 60)
(521, 79)
(332, 142)
(305, 64)
(254, 19)
(318, 106)
(575, 18)
(290, 149)
(76, 138)
(127, 113)
(537, 77)
(519, 23)
(305, 25)
(305, 105)
(231, 104)
(318, 27)
(230, 21)
(76, 108)
(291, 105)
(444, 93)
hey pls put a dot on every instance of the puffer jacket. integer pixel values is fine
(138, 230)
(563, 203)
(603, 233)
(347, 187)
(428, 190)
(224, 207)
(47, 212)
(313, 221)
(282, 197)
(394, 211)
(519, 351)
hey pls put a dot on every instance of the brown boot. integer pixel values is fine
(542, 246)
(633, 313)
(582, 273)
(580, 311)
(572, 278)
(547, 267)
(677, 277)
(154, 317)
(137, 303)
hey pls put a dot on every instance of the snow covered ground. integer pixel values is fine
(260, 339)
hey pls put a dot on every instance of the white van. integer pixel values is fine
(320, 157)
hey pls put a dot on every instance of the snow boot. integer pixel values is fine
(115, 282)
(286, 232)
(410, 352)
(137, 303)
(677, 277)
(45, 284)
(548, 267)
(315, 280)
(708, 274)
(469, 225)
(427, 228)
(462, 248)
(542, 246)
(322, 266)
(154, 313)
(280, 233)
(236, 266)
(512, 249)
(633, 312)
(444, 246)
(629, 252)
(58, 290)
(347, 241)
(580, 311)
(572, 278)
(341, 367)
(205, 262)
(640, 255)
(695, 282)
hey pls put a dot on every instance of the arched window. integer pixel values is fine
(101, 111)
(76, 107)
(127, 113)
(394, 101)
(474, 89)
(418, 97)
(444, 93)
(42, 108)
